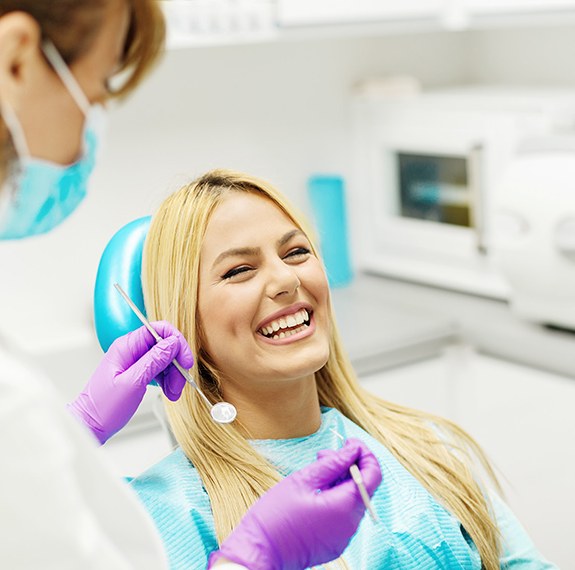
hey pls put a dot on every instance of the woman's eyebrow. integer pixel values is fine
(286, 237)
(236, 251)
(253, 251)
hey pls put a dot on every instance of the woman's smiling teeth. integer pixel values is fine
(287, 325)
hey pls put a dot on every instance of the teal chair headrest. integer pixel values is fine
(121, 263)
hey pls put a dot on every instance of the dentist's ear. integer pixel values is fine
(20, 53)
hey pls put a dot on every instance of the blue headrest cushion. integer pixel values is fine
(121, 263)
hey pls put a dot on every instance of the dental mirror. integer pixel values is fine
(221, 412)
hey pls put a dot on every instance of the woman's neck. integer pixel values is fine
(280, 412)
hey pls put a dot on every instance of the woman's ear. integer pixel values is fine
(20, 53)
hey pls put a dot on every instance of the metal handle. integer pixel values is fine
(358, 480)
(147, 324)
(476, 188)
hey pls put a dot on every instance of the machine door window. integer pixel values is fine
(434, 188)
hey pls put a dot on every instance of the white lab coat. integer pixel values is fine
(62, 505)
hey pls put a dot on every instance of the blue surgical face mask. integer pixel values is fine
(40, 194)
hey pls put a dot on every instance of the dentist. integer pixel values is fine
(61, 505)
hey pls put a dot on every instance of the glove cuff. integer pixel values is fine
(249, 546)
(81, 416)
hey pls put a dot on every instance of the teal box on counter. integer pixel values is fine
(327, 197)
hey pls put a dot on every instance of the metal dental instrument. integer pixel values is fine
(221, 412)
(358, 480)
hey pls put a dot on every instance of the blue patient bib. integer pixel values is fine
(414, 533)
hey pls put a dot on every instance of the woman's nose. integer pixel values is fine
(282, 280)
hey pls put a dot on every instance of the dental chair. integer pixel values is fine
(121, 263)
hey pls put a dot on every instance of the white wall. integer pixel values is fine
(276, 110)
(522, 56)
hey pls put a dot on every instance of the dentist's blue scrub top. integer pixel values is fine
(414, 533)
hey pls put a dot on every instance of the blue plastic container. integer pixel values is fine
(327, 197)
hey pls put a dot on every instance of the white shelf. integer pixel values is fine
(206, 23)
(517, 6)
(322, 12)
(218, 22)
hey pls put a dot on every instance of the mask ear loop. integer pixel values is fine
(9, 193)
(66, 76)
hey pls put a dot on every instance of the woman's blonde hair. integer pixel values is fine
(72, 26)
(233, 473)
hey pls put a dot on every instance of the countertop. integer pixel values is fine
(379, 333)
(386, 322)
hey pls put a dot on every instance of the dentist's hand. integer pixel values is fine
(293, 526)
(115, 390)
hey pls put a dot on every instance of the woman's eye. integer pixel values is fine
(235, 271)
(298, 252)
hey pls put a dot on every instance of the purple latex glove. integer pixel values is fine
(115, 390)
(293, 526)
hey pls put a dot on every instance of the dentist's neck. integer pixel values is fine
(286, 411)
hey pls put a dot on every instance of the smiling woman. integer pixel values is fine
(270, 276)
(229, 262)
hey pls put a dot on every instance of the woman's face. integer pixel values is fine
(52, 121)
(263, 297)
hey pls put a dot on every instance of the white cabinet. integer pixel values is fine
(525, 421)
(425, 385)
